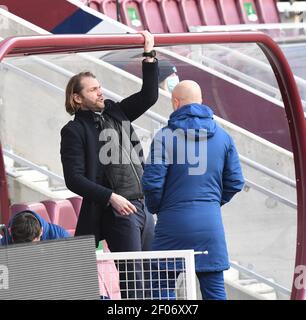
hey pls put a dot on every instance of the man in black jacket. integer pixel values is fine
(112, 207)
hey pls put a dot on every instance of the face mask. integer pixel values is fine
(172, 82)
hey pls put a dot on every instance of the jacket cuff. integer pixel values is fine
(146, 63)
(107, 196)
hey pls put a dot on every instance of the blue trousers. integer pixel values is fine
(211, 284)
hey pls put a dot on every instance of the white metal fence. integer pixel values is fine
(147, 275)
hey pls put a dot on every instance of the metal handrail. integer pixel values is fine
(32, 165)
(255, 275)
(267, 171)
(260, 64)
(249, 27)
(33, 77)
(256, 62)
(269, 193)
(272, 90)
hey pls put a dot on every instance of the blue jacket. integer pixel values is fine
(50, 231)
(193, 168)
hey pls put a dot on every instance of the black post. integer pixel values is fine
(118, 10)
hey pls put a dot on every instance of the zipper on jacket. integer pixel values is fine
(130, 158)
(134, 169)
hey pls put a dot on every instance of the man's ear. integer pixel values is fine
(38, 238)
(77, 98)
(176, 103)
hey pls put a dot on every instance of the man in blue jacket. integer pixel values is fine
(193, 169)
(28, 226)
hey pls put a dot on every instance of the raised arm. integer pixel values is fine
(135, 105)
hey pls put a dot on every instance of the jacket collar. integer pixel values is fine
(111, 109)
(85, 114)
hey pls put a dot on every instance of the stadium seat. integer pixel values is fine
(38, 207)
(267, 10)
(61, 212)
(109, 8)
(210, 13)
(248, 11)
(76, 203)
(95, 4)
(172, 16)
(229, 12)
(131, 15)
(152, 16)
(191, 13)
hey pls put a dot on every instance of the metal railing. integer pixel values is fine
(272, 91)
(260, 278)
(257, 63)
(249, 27)
(24, 162)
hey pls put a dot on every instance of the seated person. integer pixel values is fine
(28, 226)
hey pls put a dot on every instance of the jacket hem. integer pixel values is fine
(213, 269)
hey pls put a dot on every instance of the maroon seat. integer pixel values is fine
(131, 15)
(95, 4)
(172, 16)
(62, 213)
(248, 11)
(109, 8)
(268, 12)
(191, 13)
(76, 203)
(210, 13)
(152, 16)
(37, 207)
(229, 12)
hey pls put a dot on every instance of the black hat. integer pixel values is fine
(165, 70)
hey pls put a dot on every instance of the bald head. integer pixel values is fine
(186, 92)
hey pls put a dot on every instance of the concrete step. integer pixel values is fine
(247, 282)
(31, 185)
(231, 274)
(260, 288)
(249, 286)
